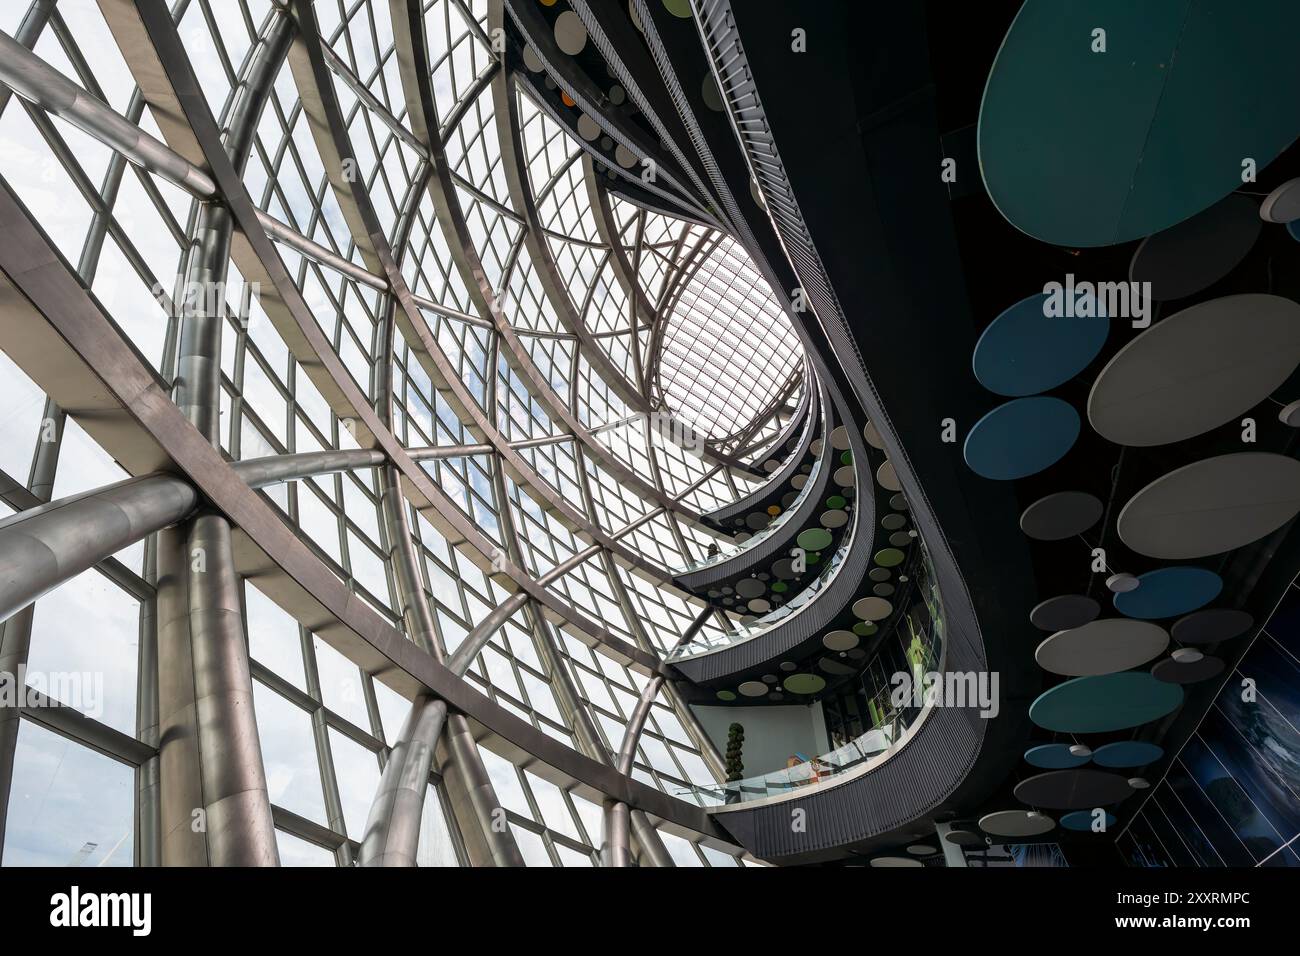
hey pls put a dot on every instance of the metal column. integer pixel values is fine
(211, 759)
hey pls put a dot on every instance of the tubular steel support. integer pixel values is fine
(236, 804)
(619, 820)
(273, 469)
(393, 827)
(34, 80)
(210, 728)
(616, 848)
(42, 547)
(647, 837)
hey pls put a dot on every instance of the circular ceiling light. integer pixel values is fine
(1282, 204)
(1016, 823)
(1064, 612)
(840, 640)
(1099, 704)
(1169, 592)
(1211, 626)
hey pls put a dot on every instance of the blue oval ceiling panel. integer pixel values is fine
(1097, 705)
(1053, 757)
(1127, 753)
(1082, 820)
(1027, 350)
(1169, 592)
(1084, 147)
(1021, 437)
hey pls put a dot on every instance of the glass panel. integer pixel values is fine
(85, 649)
(357, 772)
(68, 805)
(289, 754)
(295, 851)
(436, 847)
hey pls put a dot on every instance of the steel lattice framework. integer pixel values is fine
(335, 381)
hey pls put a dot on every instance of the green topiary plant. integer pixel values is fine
(735, 767)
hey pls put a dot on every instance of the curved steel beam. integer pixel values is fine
(537, 32)
(320, 103)
(157, 58)
(58, 335)
(599, 24)
(513, 165)
(516, 174)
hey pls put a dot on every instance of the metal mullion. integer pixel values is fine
(285, 688)
(308, 830)
(324, 753)
(69, 722)
(232, 77)
(350, 730)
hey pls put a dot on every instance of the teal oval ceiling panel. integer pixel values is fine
(1128, 753)
(1021, 437)
(1169, 592)
(1098, 705)
(1053, 757)
(1083, 820)
(1081, 146)
(1027, 349)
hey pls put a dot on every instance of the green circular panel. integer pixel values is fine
(678, 8)
(780, 587)
(810, 683)
(814, 539)
(889, 557)
(1096, 705)
(865, 628)
(846, 458)
(812, 557)
(1086, 148)
(726, 695)
(836, 501)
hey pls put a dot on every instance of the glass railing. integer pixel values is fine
(787, 780)
(708, 642)
(773, 526)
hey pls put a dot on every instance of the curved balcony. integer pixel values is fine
(778, 533)
(905, 766)
(810, 409)
(718, 656)
(894, 724)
